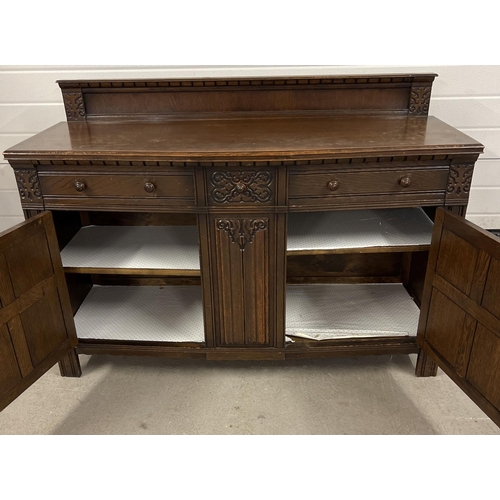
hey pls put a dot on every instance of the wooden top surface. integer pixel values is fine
(257, 137)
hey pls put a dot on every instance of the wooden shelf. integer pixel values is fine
(335, 311)
(142, 313)
(134, 250)
(359, 231)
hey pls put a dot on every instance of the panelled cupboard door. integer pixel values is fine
(36, 322)
(460, 316)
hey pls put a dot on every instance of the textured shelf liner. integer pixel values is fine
(319, 312)
(358, 229)
(330, 311)
(134, 247)
(146, 313)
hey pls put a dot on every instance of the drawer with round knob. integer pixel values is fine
(172, 188)
(367, 187)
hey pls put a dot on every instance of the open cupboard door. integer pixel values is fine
(460, 316)
(36, 322)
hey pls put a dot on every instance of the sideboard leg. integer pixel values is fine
(425, 366)
(69, 366)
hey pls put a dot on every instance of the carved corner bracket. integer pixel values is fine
(420, 99)
(74, 106)
(252, 186)
(28, 186)
(241, 231)
(459, 181)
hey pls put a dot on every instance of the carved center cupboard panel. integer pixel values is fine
(260, 218)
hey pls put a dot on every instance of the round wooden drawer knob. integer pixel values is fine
(333, 185)
(149, 187)
(405, 181)
(80, 186)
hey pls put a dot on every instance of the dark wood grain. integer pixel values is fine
(44, 326)
(454, 249)
(311, 185)
(450, 331)
(491, 297)
(245, 354)
(127, 271)
(234, 157)
(69, 365)
(416, 275)
(182, 98)
(14, 325)
(138, 280)
(139, 219)
(79, 285)
(72, 360)
(483, 371)
(36, 325)
(245, 138)
(84, 184)
(36, 265)
(10, 373)
(346, 265)
(425, 366)
(382, 249)
(459, 333)
(303, 348)
(299, 280)
(241, 254)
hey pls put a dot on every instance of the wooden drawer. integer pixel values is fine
(173, 188)
(236, 187)
(375, 186)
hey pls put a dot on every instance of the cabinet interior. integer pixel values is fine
(356, 274)
(350, 274)
(130, 274)
(142, 313)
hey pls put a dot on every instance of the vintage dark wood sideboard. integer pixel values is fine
(249, 219)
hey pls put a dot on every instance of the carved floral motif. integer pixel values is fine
(73, 104)
(28, 185)
(241, 231)
(420, 98)
(251, 186)
(459, 180)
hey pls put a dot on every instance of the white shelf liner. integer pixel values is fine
(145, 313)
(134, 247)
(358, 229)
(331, 311)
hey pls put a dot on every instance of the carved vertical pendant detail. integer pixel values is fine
(73, 104)
(420, 99)
(28, 185)
(459, 180)
(241, 231)
(241, 187)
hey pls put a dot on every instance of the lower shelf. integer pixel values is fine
(332, 311)
(142, 313)
(314, 311)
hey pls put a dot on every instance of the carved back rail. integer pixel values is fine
(152, 100)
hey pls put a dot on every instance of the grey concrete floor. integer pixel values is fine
(127, 395)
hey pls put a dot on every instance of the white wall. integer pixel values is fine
(467, 97)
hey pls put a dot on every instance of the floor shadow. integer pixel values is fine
(138, 395)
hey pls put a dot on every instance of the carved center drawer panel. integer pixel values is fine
(172, 188)
(241, 186)
(376, 187)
